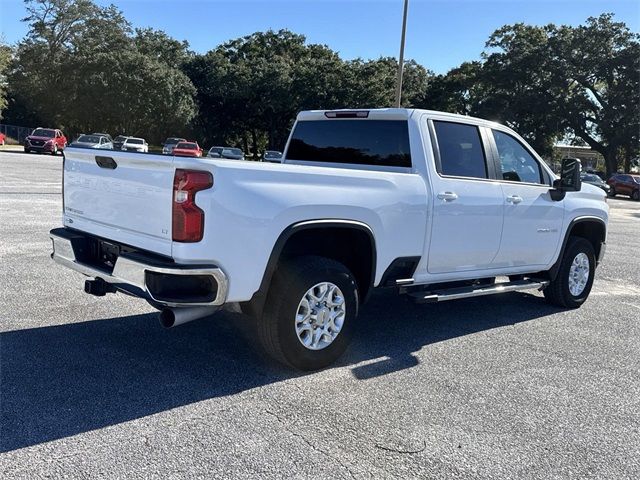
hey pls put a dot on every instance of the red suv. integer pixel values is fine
(625, 184)
(187, 149)
(45, 140)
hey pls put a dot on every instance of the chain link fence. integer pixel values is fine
(15, 132)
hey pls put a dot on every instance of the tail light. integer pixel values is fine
(187, 218)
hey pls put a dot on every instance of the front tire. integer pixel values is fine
(573, 283)
(612, 192)
(636, 195)
(310, 313)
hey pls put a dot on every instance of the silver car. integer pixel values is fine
(169, 144)
(92, 141)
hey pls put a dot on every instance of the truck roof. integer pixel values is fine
(381, 114)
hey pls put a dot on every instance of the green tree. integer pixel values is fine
(455, 92)
(81, 67)
(596, 70)
(156, 44)
(5, 60)
(550, 81)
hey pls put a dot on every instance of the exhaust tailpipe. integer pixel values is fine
(171, 317)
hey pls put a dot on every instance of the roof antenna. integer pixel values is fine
(401, 61)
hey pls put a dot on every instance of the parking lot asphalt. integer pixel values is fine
(494, 387)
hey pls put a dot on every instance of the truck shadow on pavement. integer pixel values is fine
(68, 379)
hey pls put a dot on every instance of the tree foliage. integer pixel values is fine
(5, 60)
(549, 81)
(257, 84)
(82, 67)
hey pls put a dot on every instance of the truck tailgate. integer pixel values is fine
(120, 196)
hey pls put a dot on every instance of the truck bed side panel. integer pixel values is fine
(251, 204)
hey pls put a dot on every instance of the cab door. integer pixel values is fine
(532, 219)
(467, 202)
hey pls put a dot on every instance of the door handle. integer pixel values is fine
(514, 199)
(448, 196)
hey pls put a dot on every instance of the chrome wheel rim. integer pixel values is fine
(579, 274)
(320, 316)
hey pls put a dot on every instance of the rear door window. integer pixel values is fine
(460, 150)
(360, 142)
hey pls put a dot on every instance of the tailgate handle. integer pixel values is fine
(106, 162)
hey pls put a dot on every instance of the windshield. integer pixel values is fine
(135, 141)
(271, 154)
(216, 150)
(88, 139)
(173, 141)
(187, 146)
(636, 179)
(44, 132)
(120, 138)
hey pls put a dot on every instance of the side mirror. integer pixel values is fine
(569, 180)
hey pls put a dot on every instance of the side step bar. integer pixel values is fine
(434, 296)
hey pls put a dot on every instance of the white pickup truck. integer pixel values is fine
(439, 206)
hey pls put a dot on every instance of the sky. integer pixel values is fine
(441, 34)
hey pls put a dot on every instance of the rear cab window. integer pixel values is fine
(383, 143)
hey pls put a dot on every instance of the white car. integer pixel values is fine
(135, 144)
(435, 205)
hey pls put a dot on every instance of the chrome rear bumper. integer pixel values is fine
(130, 274)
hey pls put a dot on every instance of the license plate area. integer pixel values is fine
(98, 253)
(107, 254)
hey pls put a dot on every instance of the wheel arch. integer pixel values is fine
(593, 229)
(357, 252)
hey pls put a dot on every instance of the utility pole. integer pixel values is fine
(401, 60)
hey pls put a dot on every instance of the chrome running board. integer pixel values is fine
(433, 296)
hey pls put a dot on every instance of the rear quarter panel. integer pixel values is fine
(252, 203)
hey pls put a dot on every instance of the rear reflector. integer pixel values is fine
(188, 219)
(344, 114)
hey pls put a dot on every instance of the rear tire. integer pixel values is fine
(612, 192)
(300, 332)
(573, 283)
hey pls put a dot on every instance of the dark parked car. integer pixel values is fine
(625, 184)
(272, 156)
(119, 141)
(232, 153)
(594, 179)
